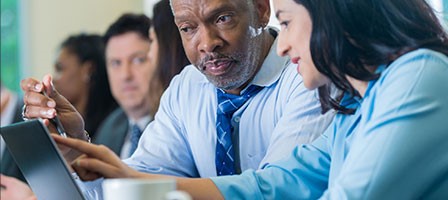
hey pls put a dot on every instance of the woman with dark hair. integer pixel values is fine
(166, 53)
(80, 76)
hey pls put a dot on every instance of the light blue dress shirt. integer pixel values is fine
(181, 140)
(394, 147)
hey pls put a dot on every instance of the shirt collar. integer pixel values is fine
(141, 123)
(272, 67)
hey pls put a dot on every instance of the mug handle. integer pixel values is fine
(177, 195)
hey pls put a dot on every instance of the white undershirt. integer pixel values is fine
(141, 123)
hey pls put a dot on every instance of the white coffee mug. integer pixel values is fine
(142, 189)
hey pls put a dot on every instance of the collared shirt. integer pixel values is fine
(394, 147)
(182, 139)
(141, 123)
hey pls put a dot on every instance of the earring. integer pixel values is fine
(263, 25)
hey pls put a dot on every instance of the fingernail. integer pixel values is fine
(51, 112)
(48, 113)
(38, 87)
(51, 104)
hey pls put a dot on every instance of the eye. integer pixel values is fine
(185, 29)
(139, 60)
(59, 67)
(224, 19)
(114, 63)
(284, 24)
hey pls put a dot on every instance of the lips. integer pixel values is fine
(129, 88)
(296, 60)
(218, 67)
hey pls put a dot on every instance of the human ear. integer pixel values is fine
(263, 10)
(87, 70)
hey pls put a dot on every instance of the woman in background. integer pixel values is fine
(166, 53)
(80, 76)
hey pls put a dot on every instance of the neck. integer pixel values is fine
(137, 113)
(360, 86)
(81, 105)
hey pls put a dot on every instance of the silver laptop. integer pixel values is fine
(40, 161)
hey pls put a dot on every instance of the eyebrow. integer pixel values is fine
(139, 53)
(221, 9)
(277, 14)
(133, 55)
(210, 13)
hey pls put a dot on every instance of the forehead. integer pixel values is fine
(129, 39)
(285, 6)
(126, 44)
(186, 8)
(67, 53)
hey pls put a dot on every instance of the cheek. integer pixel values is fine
(114, 82)
(192, 55)
(190, 51)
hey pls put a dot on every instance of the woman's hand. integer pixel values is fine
(14, 189)
(97, 161)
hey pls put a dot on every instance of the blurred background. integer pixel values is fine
(32, 30)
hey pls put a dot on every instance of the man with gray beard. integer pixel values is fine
(238, 106)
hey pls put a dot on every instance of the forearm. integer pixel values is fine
(198, 188)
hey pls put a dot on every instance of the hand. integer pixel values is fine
(14, 189)
(46, 107)
(97, 161)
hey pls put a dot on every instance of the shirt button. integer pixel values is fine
(237, 119)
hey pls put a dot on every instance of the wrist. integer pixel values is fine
(87, 137)
(82, 135)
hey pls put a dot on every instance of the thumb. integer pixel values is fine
(49, 86)
(51, 91)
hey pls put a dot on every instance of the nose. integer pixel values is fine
(210, 40)
(126, 71)
(282, 46)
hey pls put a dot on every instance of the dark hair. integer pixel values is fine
(128, 22)
(171, 57)
(90, 48)
(353, 37)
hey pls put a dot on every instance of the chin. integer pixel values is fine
(310, 85)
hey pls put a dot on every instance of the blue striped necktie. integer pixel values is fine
(227, 105)
(135, 137)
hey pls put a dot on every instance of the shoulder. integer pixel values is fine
(115, 122)
(418, 63)
(189, 81)
(422, 55)
(415, 82)
(118, 116)
(190, 74)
